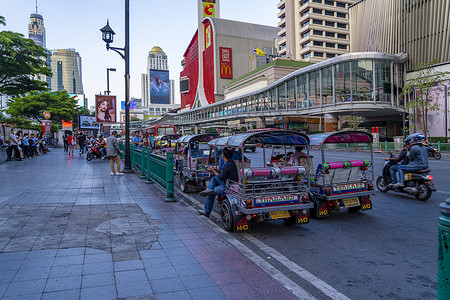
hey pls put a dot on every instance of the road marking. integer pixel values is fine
(276, 274)
(442, 192)
(321, 285)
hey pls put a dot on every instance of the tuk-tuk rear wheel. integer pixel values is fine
(292, 220)
(183, 184)
(226, 214)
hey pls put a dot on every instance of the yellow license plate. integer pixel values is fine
(408, 176)
(279, 214)
(350, 202)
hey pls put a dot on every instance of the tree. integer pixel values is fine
(420, 88)
(21, 64)
(32, 106)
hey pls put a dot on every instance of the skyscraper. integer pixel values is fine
(36, 29)
(66, 69)
(313, 30)
(155, 85)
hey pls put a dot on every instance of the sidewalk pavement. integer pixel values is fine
(70, 230)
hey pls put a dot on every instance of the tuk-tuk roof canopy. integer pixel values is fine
(205, 137)
(168, 137)
(272, 137)
(340, 137)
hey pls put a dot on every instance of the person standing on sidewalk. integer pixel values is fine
(137, 140)
(82, 143)
(71, 142)
(66, 144)
(14, 144)
(112, 150)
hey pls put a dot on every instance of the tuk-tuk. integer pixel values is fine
(264, 192)
(192, 161)
(164, 143)
(339, 184)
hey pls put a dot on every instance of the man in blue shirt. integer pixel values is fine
(137, 140)
(418, 160)
(25, 146)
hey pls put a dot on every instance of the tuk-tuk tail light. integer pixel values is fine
(305, 198)
(370, 185)
(328, 191)
(248, 203)
(429, 177)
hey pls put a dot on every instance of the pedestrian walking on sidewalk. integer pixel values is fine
(66, 144)
(113, 151)
(82, 143)
(71, 141)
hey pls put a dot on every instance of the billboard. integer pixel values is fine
(87, 122)
(105, 109)
(132, 105)
(159, 86)
(81, 101)
(226, 63)
(209, 9)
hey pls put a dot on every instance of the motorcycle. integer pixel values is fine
(433, 152)
(419, 183)
(94, 152)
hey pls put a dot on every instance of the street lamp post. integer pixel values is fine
(108, 37)
(107, 92)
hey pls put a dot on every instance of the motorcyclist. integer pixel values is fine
(401, 159)
(417, 154)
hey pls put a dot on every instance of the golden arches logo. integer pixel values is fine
(225, 70)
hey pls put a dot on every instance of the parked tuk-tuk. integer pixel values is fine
(339, 184)
(264, 192)
(192, 161)
(164, 143)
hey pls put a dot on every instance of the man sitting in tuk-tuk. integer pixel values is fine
(217, 183)
(294, 160)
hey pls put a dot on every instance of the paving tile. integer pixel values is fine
(177, 251)
(24, 297)
(63, 283)
(189, 269)
(3, 287)
(96, 280)
(29, 287)
(128, 265)
(71, 251)
(94, 251)
(42, 253)
(134, 289)
(96, 258)
(182, 259)
(197, 281)
(12, 265)
(208, 293)
(180, 295)
(62, 295)
(152, 253)
(167, 285)
(68, 260)
(37, 263)
(240, 291)
(13, 256)
(161, 272)
(96, 268)
(6, 276)
(171, 244)
(99, 293)
(159, 262)
(32, 273)
(228, 277)
(130, 276)
(64, 271)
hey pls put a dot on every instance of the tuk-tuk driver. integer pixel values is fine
(217, 183)
(294, 160)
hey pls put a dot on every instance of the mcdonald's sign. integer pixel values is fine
(226, 63)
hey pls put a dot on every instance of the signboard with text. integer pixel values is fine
(226, 63)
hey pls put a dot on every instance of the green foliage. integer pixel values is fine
(243, 129)
(2, 20)
(210, 130)
(134, 119)
(419, 88)
(435, 139)
(32, 106)
(316, 131)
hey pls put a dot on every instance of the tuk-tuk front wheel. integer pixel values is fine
(227, 215)
(183, 184)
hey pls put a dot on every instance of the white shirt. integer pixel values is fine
(13, 139)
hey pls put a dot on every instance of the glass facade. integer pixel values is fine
(66, 68)
(344, 82)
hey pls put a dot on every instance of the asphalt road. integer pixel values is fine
(388, 252)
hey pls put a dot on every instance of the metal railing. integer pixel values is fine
(154, 168)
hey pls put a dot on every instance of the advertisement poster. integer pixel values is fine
(226, 63)
(87, 122)
(159, 87)
(105, 109)
(132, 104)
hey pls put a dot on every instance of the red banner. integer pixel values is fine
(226, 63)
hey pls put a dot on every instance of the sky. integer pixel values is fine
(169, 24)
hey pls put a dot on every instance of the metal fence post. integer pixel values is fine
(148, 162)
(439, 146)
(170, 197)
(443, 291)
(143, 162)
(385, 146)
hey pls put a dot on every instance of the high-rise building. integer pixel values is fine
(155, 85)
(418, 28)
(313, 30)
(66, 68)
(172, 91)
(36, 29)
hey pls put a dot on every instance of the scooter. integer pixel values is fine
(94, 152)
(419, 183)
(433, 152)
